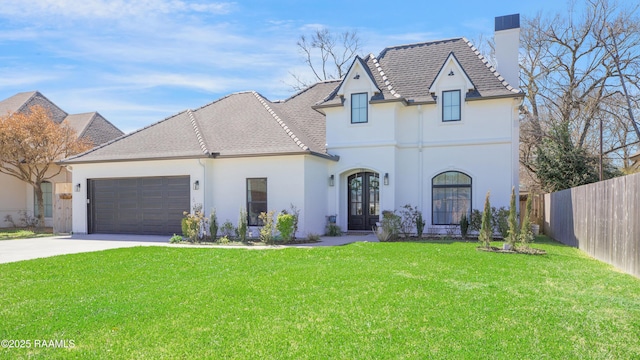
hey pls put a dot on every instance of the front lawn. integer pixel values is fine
(12, 234)
(361, 301)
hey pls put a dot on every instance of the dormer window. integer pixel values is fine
(359, 108)
(451, 105)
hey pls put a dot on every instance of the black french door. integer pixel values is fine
(363, 200)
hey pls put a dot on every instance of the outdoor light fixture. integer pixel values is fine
(196, 185)
(331, 180)
(451, 73)
(78, 187)
(357, 77)
(386, 178)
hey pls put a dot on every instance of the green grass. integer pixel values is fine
(12, 234)
(361, 301)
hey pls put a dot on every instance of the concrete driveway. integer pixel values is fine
(27, 249)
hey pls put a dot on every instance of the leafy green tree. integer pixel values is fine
(560, 164)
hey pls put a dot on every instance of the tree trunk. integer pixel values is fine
(40, 203)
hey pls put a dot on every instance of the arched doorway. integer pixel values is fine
(363, 200)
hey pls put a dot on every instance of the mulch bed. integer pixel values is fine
(527, 250)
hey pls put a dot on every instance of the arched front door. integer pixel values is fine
(363, 200)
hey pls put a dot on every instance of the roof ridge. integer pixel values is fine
(300, 92)
(196, 129)
(493, 70)
(280, 121)
(222, 98)
(124, 136)
(418, 44)
(384, 76)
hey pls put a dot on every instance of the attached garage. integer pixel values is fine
(143, 205)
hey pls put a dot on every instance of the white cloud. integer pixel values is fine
(107, 9)
(201, 82)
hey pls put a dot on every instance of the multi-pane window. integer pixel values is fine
(359, 108)
(47, 199)
(451, 105)
(256, 200)
(451, 194)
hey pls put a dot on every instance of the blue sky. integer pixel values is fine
(138, 62)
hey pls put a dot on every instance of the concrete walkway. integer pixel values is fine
(27, 249)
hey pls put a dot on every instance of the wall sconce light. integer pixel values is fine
(386, 178)
(331, 180)
(78, 187)
(196, 185)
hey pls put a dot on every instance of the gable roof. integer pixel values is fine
(405, 72)
(88, 126)
(239, 124)
(93, 127)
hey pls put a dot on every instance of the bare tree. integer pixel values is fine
(574, 70)
(327, 55)
(30, 143)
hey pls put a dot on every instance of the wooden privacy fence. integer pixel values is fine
(602, 219)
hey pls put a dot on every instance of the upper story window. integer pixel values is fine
(451, 105)
(359, 108)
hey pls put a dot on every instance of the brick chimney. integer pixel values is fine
(507, 42)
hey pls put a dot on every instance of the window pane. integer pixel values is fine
(256, 200)
(47, 199)
(451, 105)
(451, 197)
(359, 108)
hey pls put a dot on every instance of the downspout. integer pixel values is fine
(420, 158)
(204, 186)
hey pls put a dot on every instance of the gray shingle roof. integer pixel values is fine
(89, 126)
(240, 124)
(406, 72)
(93, 127)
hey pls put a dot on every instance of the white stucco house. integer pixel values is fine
(17, 197)
(428, 124)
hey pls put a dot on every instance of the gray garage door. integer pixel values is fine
(148, 205)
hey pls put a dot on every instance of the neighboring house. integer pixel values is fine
(429, 124)
(17, 196)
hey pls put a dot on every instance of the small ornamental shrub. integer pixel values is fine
(284, 225)
(241, 231)
(464, 226)
(408, 220)
(475, 221)
(175, 239)
(313, 237)
(227, 229)
(213, 225)
(193, 224)
(500, 221)
(293, 210)
(513, 232)
(526, 234)
(486, 229)
(333, 230)
(391, 224)
(266, 231)
(419, 224)
(223, 240)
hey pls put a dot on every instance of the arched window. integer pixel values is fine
(451, 196)
(47, 198)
